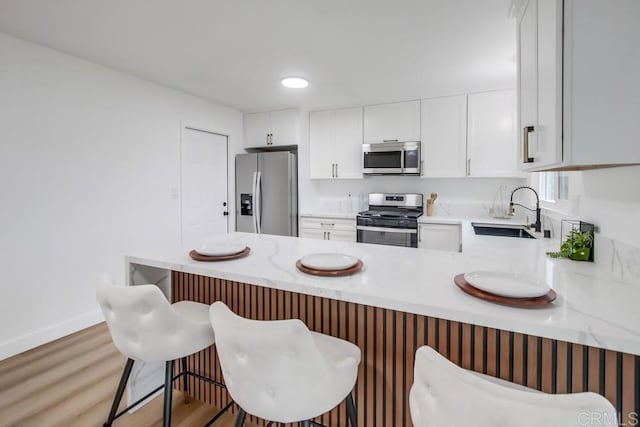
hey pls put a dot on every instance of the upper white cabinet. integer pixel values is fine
(272, 128)
(444, 136)
(399, 121)
(578, 87)
(257, 128)
(335, 144)
(470, 135)
(491, 137)
(540, 85)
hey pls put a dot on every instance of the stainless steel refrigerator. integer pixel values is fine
(267, 193)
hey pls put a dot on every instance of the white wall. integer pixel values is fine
(608, 198)
(88, 160)
(611, 200)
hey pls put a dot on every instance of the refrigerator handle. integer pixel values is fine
(253, 201)
(258, 198)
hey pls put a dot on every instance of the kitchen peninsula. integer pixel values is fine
(588, 339)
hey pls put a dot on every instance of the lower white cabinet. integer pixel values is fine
(443, 237)
(322, 228)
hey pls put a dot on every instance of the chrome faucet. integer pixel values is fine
(538, 225)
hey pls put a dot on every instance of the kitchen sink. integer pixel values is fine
(504, 230)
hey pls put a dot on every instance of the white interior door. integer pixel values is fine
(204, 186)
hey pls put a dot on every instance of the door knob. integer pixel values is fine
(225, 213)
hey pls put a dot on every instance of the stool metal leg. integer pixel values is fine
(240, 418)
(119, 392)
(306, 423)
(351, 411)
(185, 380)
(168, 393)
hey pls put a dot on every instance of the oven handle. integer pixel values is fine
(388, 230)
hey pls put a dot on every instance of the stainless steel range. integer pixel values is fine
(392, 219)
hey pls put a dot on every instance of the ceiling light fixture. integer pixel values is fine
(295, 82)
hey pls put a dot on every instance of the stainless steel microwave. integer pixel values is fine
(391, 158)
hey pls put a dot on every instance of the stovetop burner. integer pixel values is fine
(400, 213)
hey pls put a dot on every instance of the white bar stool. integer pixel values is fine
(444, 395)
(282, 372)
(146, 327)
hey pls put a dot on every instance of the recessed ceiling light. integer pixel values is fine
(295, 82)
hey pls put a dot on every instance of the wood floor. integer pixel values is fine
(71, 382)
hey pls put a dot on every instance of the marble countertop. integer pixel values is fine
(591, 308)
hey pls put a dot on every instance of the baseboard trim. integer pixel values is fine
(43, 336)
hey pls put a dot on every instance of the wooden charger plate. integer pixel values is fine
(199, 257)
(516, 302)
(330, 273)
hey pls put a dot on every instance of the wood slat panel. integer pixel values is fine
(388, 340)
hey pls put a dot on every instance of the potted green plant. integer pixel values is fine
(577, 246)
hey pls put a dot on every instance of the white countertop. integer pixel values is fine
(591, 308)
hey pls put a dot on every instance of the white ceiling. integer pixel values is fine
(353, 52)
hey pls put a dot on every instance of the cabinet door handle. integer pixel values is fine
(525, 144)
(468, 167)
(389, 140)
(336, 170)
(333, 170)
(328, 235)
(327, 224)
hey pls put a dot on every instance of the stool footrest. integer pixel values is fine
(219, 414)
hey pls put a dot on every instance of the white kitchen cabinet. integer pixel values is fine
(443, 237)
(491, 137)
(399, 121)
(578, 88)
(335, 144)
(271, 129)
(311, 233)
(470, 135)
(322, 144)
(540, 85)
(444, 136)
(341, 235)
(257, 128)
(323, 228)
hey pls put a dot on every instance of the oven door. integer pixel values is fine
(406, 237)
